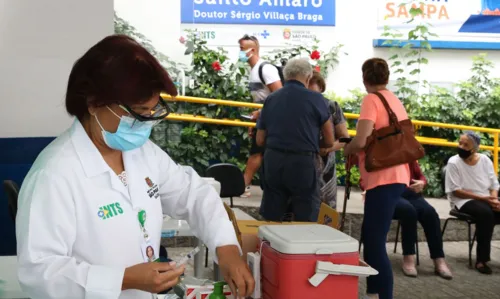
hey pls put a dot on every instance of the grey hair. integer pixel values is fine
(474, 137)
(297, 68)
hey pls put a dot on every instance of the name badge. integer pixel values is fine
(149, 253)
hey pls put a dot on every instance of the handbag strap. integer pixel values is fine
(393, 119)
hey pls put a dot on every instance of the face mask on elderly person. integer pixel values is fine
(464, 154)
(468, 145)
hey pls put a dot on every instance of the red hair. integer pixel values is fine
(115, 70)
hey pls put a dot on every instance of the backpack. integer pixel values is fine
(279, 68)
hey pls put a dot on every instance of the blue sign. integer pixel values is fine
(259, 12)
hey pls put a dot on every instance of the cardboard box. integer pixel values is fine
(328, 216)
(252, 226)
(246, 230)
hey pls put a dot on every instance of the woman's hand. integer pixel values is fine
(152, 277)
(417, 186)
(235, 271)
(493, 201)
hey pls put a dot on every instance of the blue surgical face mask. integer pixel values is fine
(131, 133)
(243, 55)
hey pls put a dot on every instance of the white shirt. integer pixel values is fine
(258, 89)
(67, 247)
(478, 179)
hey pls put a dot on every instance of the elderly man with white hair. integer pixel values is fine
(289, 127)
(472, 188)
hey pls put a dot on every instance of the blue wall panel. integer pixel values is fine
(16, 157)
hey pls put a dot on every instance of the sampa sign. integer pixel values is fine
(264, 12)
(459, 24)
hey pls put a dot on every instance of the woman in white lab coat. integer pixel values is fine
(91, 208)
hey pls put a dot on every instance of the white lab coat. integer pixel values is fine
(66, 250)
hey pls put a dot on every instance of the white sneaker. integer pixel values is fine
(247, 193)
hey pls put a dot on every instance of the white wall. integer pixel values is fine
(356, 29)
(39, 42)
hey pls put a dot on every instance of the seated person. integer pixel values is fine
(472, 188)
(412, 207)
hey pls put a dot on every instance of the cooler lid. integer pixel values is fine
(307, 239)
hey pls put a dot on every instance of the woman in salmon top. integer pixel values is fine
(383, 187)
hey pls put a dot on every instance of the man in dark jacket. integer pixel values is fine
(289, 126)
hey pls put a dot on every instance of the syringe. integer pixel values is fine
(188, 256)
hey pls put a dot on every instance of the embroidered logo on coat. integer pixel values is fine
(109, 211)
(153, 190)
(149, 182)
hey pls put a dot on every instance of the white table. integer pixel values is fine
(9, 285)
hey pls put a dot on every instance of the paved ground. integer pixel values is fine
(467, 283)
(355, 204)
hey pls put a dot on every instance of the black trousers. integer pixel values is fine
(412, 207)
(290, 185)
(486, 219)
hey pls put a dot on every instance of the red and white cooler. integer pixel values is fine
(309, 262)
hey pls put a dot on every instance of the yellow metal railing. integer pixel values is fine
(236, 122)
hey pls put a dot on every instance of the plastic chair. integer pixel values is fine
(230, 177)
(12, 191)
(458, 216)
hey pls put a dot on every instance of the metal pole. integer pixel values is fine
(183, 82)
(347, 191)
(495, 152)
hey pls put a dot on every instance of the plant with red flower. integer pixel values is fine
(216, 66)
(315, 55)
(317, 68)
(182, 40)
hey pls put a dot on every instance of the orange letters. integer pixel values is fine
(431, 11)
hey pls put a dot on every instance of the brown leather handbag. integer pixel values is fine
(392, 145)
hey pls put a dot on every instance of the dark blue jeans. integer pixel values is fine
(412, 207)
(380, 204)
(290, 185)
